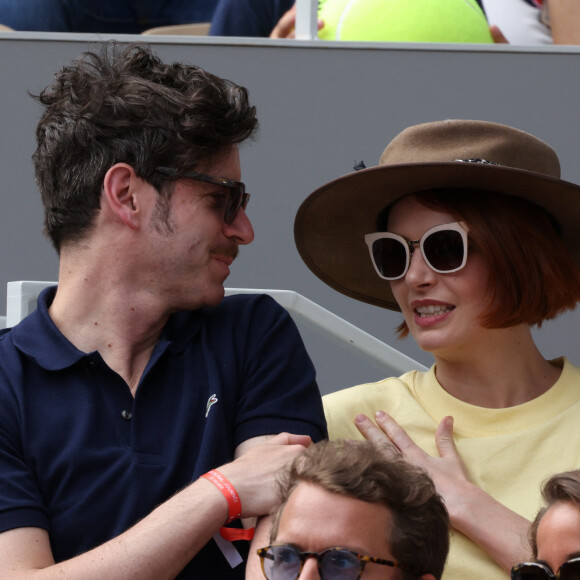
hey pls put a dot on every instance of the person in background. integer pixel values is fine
(466, 228)
(511, 21)
(142, 414)
(102, 16)
(555, 532)
(265, 18)
(534, 21)
(253, 18)
(382, 518)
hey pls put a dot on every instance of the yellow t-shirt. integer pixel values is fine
(508, 453)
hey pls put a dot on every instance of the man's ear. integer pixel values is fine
(119, 188)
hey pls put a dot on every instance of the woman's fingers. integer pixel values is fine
(371, 432)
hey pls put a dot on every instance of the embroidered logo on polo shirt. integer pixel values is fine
(211, 401)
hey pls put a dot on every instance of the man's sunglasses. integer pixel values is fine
(444, 249)
(569, 570)
(286, 562)
(237, 199)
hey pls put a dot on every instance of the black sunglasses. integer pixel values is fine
(444, 249)
(569, 570)
(238, 198)
(286, 562)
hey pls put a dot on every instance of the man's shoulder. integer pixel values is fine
(11, 362)
(234, 315)
(240, 306)
(247, 300)
(37, 339)
(6, 341)
(6, 346)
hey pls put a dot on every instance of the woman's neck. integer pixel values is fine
(507, 370)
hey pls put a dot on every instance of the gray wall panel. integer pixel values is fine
(322, 107)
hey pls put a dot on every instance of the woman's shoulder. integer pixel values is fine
(570, 371)
(371, 391)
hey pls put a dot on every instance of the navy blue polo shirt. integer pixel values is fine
(84, 459)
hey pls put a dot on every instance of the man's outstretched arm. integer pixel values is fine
(159, 546)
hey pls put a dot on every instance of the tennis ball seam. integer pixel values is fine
(343, 17)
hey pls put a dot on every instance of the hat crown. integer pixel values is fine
(461, 140)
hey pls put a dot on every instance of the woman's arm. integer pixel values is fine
(565, 21)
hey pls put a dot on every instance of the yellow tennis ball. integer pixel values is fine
(404, 21)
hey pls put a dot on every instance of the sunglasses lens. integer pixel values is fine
(531, 571)
(234, 204)
(340, 565)
(570, 570)
(444, 250)
(390, 257)
(282, 563)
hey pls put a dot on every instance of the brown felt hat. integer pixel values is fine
(331, 223)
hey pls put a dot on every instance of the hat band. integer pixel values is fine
(476, 160)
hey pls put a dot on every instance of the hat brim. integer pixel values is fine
(331, 223)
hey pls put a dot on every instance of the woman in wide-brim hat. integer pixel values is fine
(468, 230)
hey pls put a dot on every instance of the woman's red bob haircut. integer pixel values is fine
(532, 275)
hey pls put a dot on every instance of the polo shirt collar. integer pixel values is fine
(38, 337)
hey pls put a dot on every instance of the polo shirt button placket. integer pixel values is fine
(90, 366)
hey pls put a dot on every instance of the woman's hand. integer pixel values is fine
(496, 529)
(447, 471)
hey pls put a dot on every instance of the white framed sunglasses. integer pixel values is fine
(444, 249)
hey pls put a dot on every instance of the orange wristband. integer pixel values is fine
(228, 491)
(233, 534)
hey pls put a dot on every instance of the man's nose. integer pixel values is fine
(309, 570)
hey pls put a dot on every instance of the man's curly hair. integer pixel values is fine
(126, 105)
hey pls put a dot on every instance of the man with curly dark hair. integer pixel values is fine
(141, 413)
